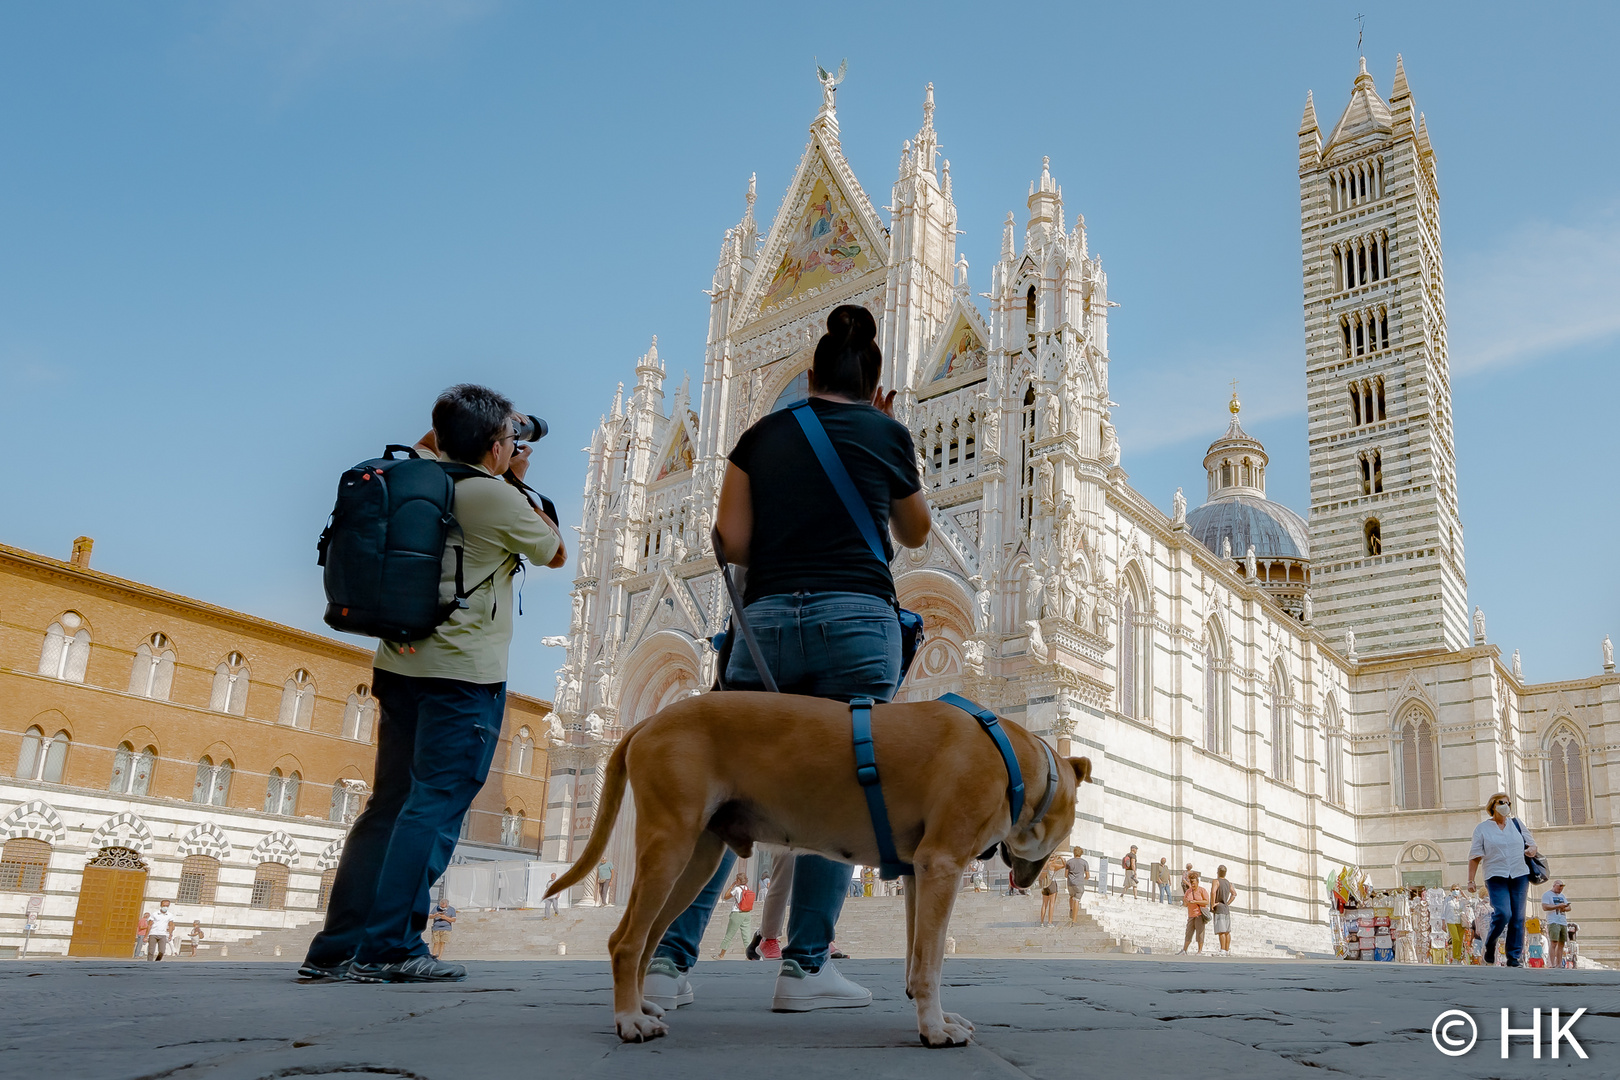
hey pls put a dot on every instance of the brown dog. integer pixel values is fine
(733, 769)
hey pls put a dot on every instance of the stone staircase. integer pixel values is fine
(1161, 928)
(982, 924)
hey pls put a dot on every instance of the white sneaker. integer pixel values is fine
(799, 991)
(666, 985)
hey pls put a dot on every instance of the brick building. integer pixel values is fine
(183, 750)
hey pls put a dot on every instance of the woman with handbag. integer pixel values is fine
(1196, 898)
(1507, 850)
(822, 608)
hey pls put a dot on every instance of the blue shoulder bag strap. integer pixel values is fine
(866, 771)
(833, 465)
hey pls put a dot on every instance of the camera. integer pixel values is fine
(526, 428)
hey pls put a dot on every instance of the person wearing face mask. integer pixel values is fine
(1501, 843)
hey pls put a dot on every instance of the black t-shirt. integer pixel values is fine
(804, 538)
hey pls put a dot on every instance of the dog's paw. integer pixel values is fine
(650, 1009)
(960, 1021)
(954, 1031)
(639, 1027)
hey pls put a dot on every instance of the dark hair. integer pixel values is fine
(848, 360)
(468, 419)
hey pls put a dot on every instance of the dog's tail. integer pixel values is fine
(606, 814)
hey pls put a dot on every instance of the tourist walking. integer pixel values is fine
(1128, 864)
(195, 937)
(824, 601)
(1483, 913)
(1195, 898)
(1161, 880)
(1050, 875)
(773, 905)
(1221, 895)
(143, 926)
(1457, 912)
(549, 908)
(441, 920)
(1076, 871)
(1501, 843)
(1555, 908)
(441, 701)
(604, 882)
(158, 933)
(737, 922)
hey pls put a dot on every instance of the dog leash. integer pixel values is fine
(866, 772)
(765, 675)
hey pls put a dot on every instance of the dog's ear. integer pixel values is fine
(1082, 769)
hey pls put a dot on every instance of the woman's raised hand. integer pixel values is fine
(884, 403)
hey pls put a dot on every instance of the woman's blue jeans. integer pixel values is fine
(1507, 911)
(836, 645)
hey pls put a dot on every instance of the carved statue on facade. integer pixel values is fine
(1178, 513)
(1032, 594)
(1518, 668)
(1037, 644)
(555, 735)
(1306, 612)
(829, 85)
(1110, 444)
(1479, 627)
(981, 601)
(1608, 653)
(1043, 482)
(1349, 643)
(1051, 414)
(973, 656)
(604, 685)
(1226, 548)
(1251, 568)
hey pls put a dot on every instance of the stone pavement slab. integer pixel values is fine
(1042, 1018)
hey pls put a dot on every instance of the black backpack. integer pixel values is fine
(383, 548)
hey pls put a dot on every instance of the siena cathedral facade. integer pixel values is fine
(1283, 694)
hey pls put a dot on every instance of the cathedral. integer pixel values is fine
(1283, 692)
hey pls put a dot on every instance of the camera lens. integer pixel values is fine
(528, 428)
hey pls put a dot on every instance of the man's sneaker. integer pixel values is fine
(752, 952)
(666, 985)
(799, 991)
(771, 949)
(414, 969)
(310, 971)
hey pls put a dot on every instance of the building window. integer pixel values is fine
(1566, 779)
(22, 865)
(520, 759)
(347, 797)
(132, 772)
(281, 794)
(213, 785)
(324, 899)
(1335, 769)
(1419, 774)
(359, 715)
(298, 700)
(41, 758)
(1373, 536)
(230, 686)
(66, 652)
(199, 878)
(512, 828)
(1127, 656)
(269, 887)
(153, 671)
(1215, 696)
(1282, 729)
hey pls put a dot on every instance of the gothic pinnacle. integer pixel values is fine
(1308, 124)
(1399, 89)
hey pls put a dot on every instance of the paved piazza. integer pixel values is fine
(1051, 1019)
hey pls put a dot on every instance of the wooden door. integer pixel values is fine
(110, 896)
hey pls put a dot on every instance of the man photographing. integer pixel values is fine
(441, 701)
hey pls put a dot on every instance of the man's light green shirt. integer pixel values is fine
(497, 524)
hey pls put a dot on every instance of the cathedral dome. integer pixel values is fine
(1238, 519)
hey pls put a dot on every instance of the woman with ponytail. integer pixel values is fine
(823, 609)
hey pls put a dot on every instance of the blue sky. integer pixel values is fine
(242, 245)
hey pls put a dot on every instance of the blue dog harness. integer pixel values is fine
(866, 772)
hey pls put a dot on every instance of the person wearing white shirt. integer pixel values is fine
(1456, 922)
(157, 938)
(1556, 906)
(1501, 843)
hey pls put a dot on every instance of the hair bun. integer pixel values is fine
(851, 325)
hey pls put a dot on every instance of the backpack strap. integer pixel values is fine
(866, 771)
(833, 465)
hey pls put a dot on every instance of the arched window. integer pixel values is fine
(359, 714)
(23, 862)
(328, 879)
(230, 686)
(41, 758)
(153, 671)
(132, 772)
(512, 828)
(66, 652)
(1419, 775)
(1334, 753)
(797, 389)
(1030, 314)
(1215, 693)
(1135, 653)
(199, 878)
(269, 887)
(1373, 535)
(1566, 778)
(213, 784)
(521, 757)
(298, 700)
(1282, 727)
(281, 793)
(347, 796)
(1127, 655)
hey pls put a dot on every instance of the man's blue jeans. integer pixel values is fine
(436, 739)
(834, 645)
(1507, 912)
(1164, 891)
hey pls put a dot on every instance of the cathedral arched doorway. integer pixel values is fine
(110, 896)
(943, 601)
(1421, 863)
(663, 669)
